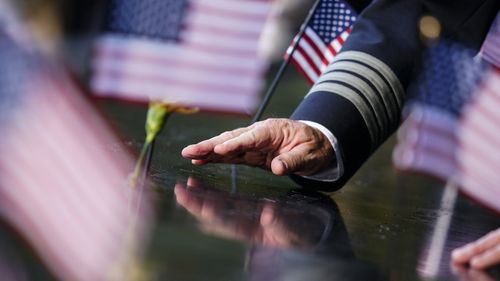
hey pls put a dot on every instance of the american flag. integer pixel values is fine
(479, 136)
(63, 174)
(324, 36)
(200, 53)
(452, 130)
(479, 144)
(427, 140)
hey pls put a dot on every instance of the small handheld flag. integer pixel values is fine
(324, 36)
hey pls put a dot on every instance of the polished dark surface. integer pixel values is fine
(212, 224)
(385, 225)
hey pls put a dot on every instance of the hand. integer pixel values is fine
(283, 146)
(480, 254)
(470, 274)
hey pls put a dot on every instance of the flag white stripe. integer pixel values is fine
(171, 92)
(336, 45)
(345, 34)
(483, 125)
(311, 53)
(418, 160)
(329, 56)
(238, 25)
(226, 43)
(158, 52)
(223, 101)
(316, 39)
(488, 197)
(480, 167)
(158, 92)
(132, 68)
(299, 58)
(155, 87)
(256, 8)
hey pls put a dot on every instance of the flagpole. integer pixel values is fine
(272, 88)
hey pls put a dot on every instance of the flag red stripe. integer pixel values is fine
(298, 66)
(125, 55)
(311, 63)
(313, 45)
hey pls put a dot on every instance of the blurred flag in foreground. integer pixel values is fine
(479, 144)
(323, 38)
(63, 178)
(427, 138)
(200, 53)
(451, 129)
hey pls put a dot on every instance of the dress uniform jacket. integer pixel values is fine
(360, 96)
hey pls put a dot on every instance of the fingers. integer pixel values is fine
(291, 161)
(480, 254)
(487, 259)
(470, 274)
(257, 137)
(203, 149)
(304, 159)
(300, 149)
(199, 206)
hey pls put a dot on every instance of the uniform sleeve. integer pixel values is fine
(360, 96)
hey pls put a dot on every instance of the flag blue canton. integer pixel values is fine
(331, 19)
(157, 19)
(449, 76)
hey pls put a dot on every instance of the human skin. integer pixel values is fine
(480, 254)
(286, 147)
(283, 146)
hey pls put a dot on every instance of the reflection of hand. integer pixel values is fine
(482, 253)
(284, 146)
(253, 221)
(470, 274)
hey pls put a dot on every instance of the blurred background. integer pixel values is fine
(389, 218)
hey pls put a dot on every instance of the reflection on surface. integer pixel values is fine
(298, 236)
(469, 274)
(447, 234)
(284, 224)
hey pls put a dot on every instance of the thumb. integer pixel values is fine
(291, 161)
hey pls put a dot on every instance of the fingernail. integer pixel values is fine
(285, 165)
(458, 252)
(475, 262)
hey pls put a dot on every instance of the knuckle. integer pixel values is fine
(496, 250)
(252, 135)
(272, 122)
(268, 123)
(226, 134)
